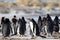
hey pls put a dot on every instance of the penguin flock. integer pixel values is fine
(43, 27)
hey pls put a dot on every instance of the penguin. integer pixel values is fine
(14, 23)
(40, 24)
(20, 27)
(2, 25)
(44, 26)
(56, 24)
(32, 28)
(50, 25)
(7, 27)
(23, 26)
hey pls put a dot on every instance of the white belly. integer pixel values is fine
(31, 26)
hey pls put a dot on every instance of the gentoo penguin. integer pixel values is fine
(56, 24)
(50, 25)
(2, 24)
(20, 27)
(7, 27)
(14, 22)
(40, 24)
(23, 25)
(32, 28)
(44, 26)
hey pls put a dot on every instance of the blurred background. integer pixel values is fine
(29, 8)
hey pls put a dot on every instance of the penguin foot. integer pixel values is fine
(42, 36)
(33, 37)
(49, 35)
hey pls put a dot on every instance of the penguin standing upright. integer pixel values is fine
(44, 26)
(50, 25)
(14, 22)
(56, 24)
(7, 27)
(2, 24)
(20, 26)
(40, 24)
(32, 27)
(23, 26)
